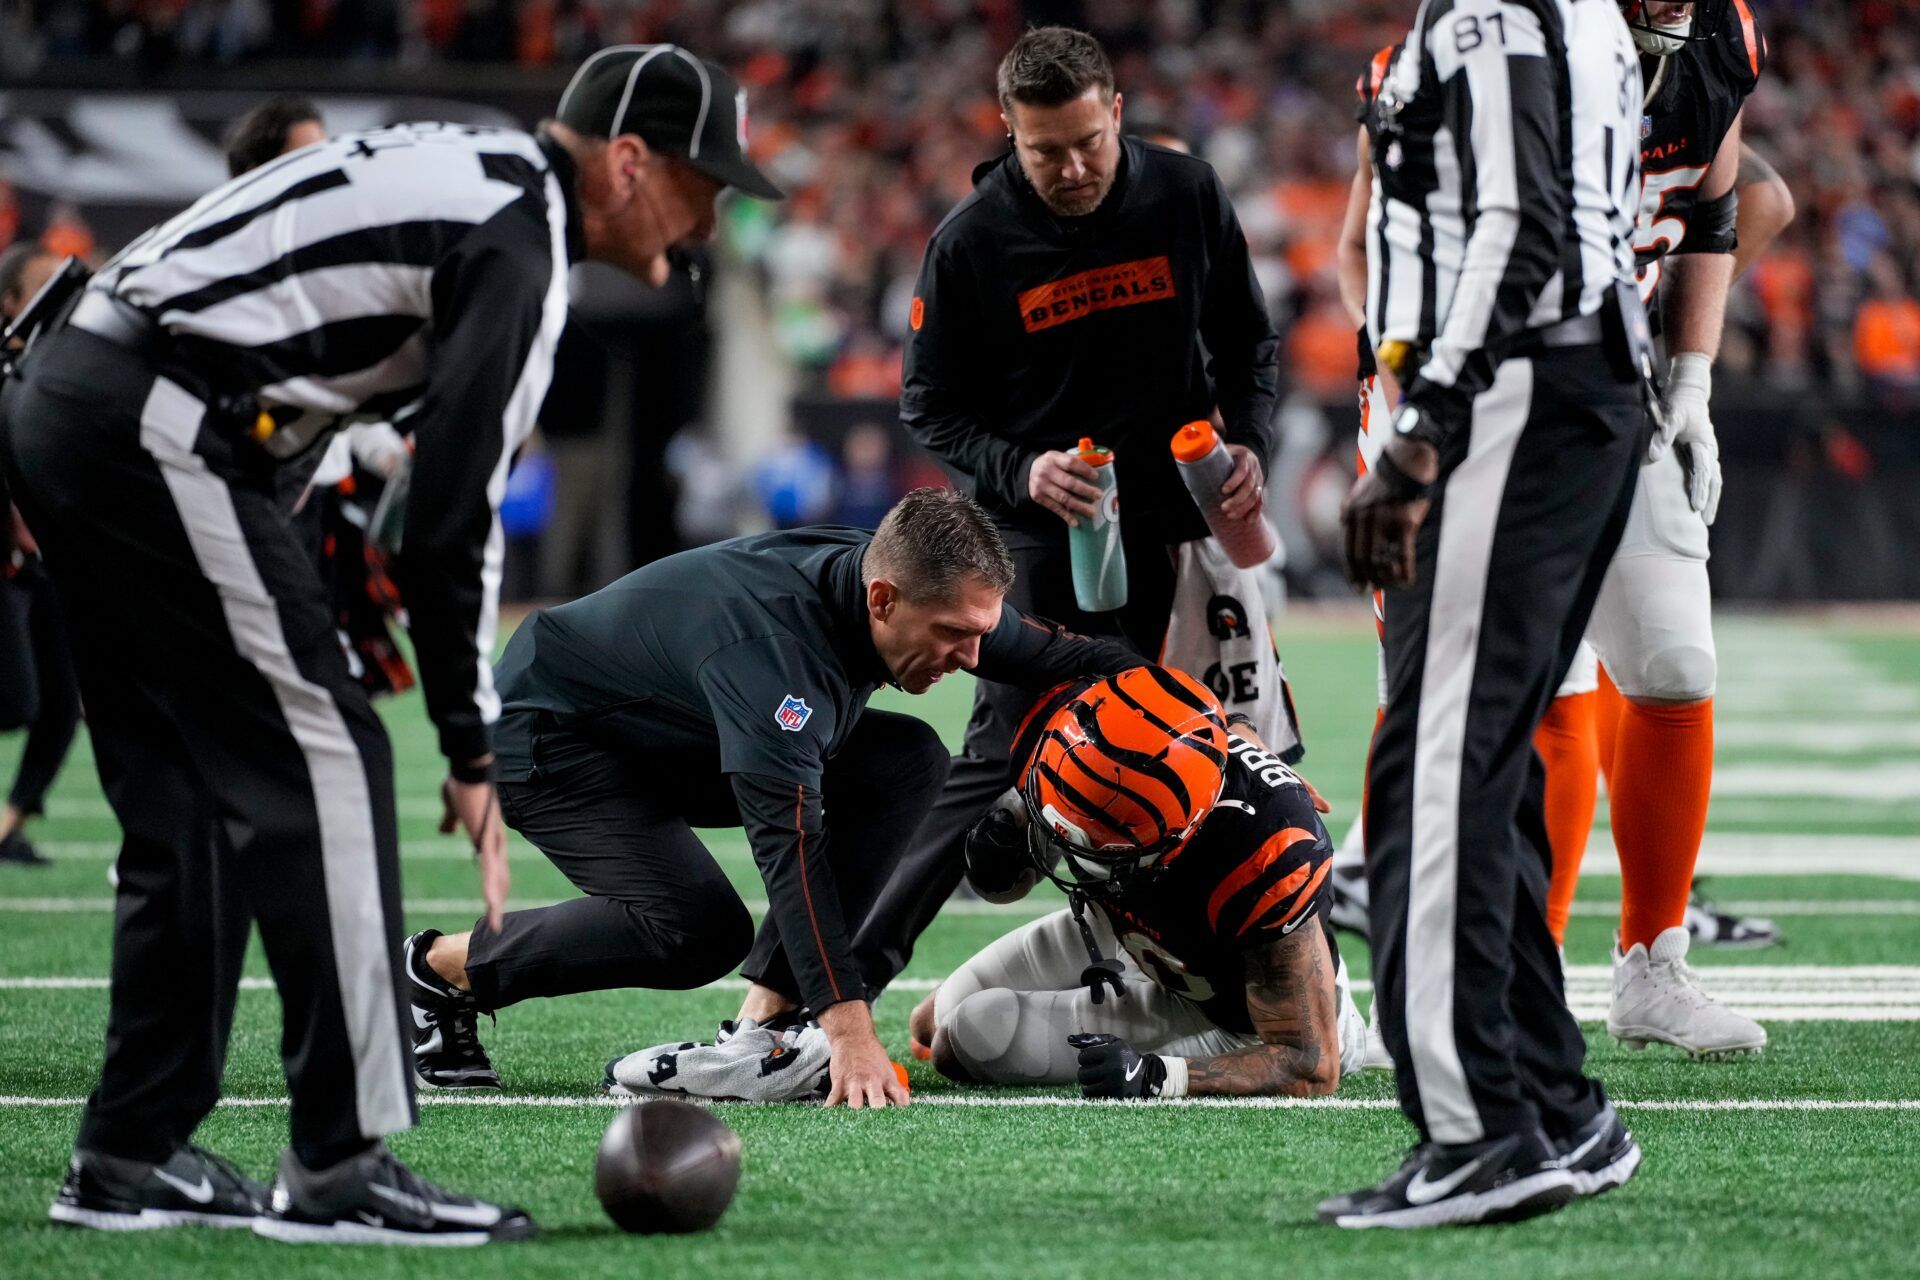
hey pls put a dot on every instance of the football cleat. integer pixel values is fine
(1350, 899)
(1656, 999)
(192, 1187)
(19, 851)
(373, 1198)
(446, 1025)
(1601, 1155)
(1501, 1180)
(1708, 926)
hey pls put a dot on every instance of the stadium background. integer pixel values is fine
(765, 394)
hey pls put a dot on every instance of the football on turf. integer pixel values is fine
(666, 1167)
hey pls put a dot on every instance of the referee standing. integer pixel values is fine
(1500, 294)
(421, 267)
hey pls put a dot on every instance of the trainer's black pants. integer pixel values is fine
(37, 689)
(1508, 563)
(935, 860)
(252, 781)
(659, 911)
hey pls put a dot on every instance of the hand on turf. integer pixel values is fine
(1240, 494)
(1064, 485)
(1112, 1068)
(863, 1075)
(474, 807)
(1380, 529)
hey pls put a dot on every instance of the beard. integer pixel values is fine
(1080, 201)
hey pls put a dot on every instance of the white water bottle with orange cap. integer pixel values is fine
(1093, 546)
(1205, 465)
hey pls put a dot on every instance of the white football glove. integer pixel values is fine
(1685, 420)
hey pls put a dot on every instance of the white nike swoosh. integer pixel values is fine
(1420, 1191)
(200, 1194)
(1134, 1070)
(1291, 925)
(1574, 1156)
(421, 1018)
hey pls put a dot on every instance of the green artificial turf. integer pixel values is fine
(966, 1191)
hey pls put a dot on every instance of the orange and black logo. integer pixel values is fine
(1102, 289)
(918, 315)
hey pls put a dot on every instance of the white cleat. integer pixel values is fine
(1656, 999)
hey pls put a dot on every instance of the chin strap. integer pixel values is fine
(1101, 972)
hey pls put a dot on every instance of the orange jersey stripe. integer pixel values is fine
(1381, 61)
(1746, 29)
(1305, 899)
(1249, 871)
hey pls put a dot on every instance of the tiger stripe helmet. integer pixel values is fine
(1126, 770)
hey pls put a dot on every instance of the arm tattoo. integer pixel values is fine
(1754, 168)
(1290, 997)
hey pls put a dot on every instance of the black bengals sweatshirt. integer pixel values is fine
(1030, 331)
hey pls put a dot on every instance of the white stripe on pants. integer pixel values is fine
(1472, 509)
(169, 425)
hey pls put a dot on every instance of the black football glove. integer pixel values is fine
(1112, 1068)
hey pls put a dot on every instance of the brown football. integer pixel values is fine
(666, 1166)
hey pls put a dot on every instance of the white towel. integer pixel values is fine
(1219, 635)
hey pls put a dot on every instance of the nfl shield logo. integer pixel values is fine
(793, 714)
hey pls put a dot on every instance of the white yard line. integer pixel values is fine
(988, 1101)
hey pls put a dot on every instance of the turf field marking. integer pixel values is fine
(1886, 782)
(1832, 737)
(993, 1102)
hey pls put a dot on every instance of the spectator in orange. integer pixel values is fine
(1886, 334)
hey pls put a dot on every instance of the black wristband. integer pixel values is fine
(471, 773)
(1400, 486)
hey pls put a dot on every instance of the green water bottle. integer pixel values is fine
(1099, 561)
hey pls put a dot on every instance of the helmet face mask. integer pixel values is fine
(1122, 777)
(1700, 21)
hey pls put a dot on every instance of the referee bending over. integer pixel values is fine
(422, 266)
(1500, 294)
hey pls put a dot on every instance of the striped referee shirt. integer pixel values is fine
(417, 272)
(1506, 176)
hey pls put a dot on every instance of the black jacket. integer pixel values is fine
(752, 657)
(1031, 331)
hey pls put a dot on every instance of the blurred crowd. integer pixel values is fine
(875, 111)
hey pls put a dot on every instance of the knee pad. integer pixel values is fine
(1681, 673)
(991, 1032)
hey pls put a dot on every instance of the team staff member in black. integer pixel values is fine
(729, 685)
(1091, 285)
(421, 266)
(1501, 297)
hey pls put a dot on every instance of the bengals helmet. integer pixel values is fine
(1125, 771)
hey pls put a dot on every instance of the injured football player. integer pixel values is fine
(1195, 955)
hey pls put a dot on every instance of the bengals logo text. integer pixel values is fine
(1102, 289)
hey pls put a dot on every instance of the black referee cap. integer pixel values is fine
(678, 104)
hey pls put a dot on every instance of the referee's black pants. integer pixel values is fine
(935, 861)
(252, 781)
(1508, 563)
(660, 912)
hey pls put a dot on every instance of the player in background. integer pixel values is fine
(1704, 190)
(1204, 862)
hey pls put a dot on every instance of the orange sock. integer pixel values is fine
(1662, 775)
(1570, 747)
(1606, 723)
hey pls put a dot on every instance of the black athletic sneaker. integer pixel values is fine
(192, 1187)
(1602, 1155)
(374, 1199)
(19, 851)
(1503, 1180)
(446, 1025)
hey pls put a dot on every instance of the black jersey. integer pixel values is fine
(1695, 95)
(1254, 872)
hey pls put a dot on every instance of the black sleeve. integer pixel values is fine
(775, 708)
(1242, 348)
(1032, 653)
(941, 365)
(499, 301)
(787, 828)
(1502, 106)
